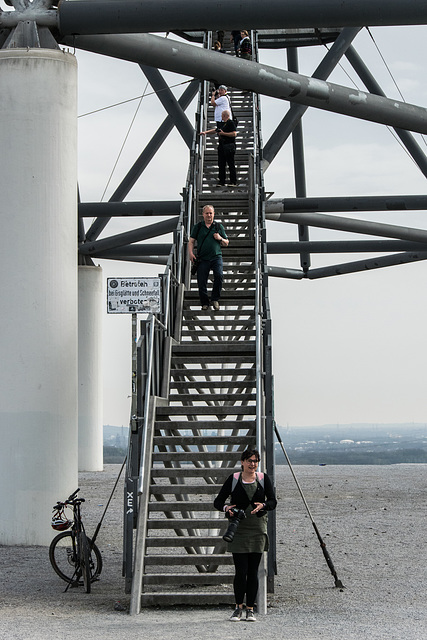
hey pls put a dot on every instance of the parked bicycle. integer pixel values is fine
(75, 557)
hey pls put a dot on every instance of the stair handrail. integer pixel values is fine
(151, 324)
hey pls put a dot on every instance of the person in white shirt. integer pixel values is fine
(220, 101)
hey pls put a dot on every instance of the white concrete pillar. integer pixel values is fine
(38, 313)
(91, 303)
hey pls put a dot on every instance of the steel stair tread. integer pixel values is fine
(205, 559)
(190, 579)
(185, 489)
(236, 294)
(210, 349)
(186, 598)
(211, 384)
(200, 331)
(241, 425)
(168, 507)
(210, 397)
(207, 373)
(187, 523)
(228, 410)
(182, 541)
(184, 457)
(199, 473)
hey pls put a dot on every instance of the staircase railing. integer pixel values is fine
(152, 354)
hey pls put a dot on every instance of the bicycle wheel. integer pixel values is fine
(63, 558)
(84, 560)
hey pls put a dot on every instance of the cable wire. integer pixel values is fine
(145, 95)
(390, 129)
(124, 142)
(385, 63)
(391, 75)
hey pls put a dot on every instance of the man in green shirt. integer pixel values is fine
(210, 238)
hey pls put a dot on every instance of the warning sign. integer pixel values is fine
(133, 295)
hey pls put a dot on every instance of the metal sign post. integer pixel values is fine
(132, 296)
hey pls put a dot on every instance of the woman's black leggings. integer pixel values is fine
(246, 577)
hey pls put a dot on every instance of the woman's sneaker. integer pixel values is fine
(250, 616)
(237, 614)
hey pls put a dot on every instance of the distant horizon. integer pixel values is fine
(332, 426)
(326, 424)
(355, 424)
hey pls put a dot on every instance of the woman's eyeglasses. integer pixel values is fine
(252, 461)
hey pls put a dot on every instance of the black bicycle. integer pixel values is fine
(75, 557)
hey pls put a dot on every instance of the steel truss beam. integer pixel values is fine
(273, 205)
(351, 225)
(299, 161)
(136, 16)
(372, 85)
(148, 260)
(134, 251)
(367, 265)
(129, 209)
(122, 239)
(349, 267)
(263, 79)
(346, 203)
(170, 103)
(411, 242)
(288, 125)
(344, 246)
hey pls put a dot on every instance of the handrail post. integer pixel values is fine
(143, 499)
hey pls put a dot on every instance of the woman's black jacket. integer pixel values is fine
(239, 497)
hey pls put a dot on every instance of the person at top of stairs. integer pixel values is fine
(210, 236)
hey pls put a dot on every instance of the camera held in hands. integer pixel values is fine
(235, 515)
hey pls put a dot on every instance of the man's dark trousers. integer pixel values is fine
(205, 266)
(226, 156)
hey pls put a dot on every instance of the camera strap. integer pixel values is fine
(213, 226)
(236, 478)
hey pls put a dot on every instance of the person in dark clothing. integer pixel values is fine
(245, 46)
(227, 132)
(236, 37)
(210, 237)
(252, 492)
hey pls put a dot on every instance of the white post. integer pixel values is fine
(38, 313)
(262, 589)
(90, 369)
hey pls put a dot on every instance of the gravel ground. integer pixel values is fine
(371, 518)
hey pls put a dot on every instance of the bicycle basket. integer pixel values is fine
(60, 521)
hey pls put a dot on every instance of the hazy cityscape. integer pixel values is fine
(324, 444)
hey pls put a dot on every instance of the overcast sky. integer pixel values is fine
(346, 349)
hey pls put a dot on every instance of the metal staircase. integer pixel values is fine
(210, 397)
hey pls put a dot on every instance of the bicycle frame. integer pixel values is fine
(72, 548)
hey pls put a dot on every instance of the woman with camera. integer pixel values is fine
(251, 496)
